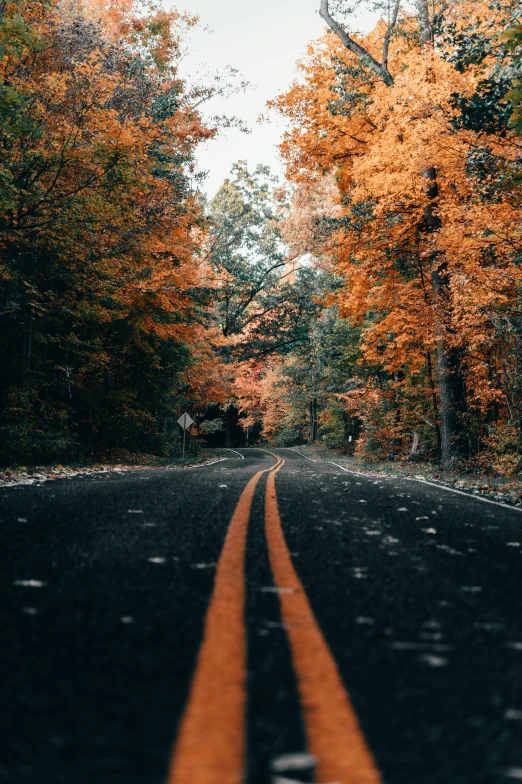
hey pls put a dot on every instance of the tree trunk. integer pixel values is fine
(451, 387)
(435, 405)
(313, 420)
(228, 427)
(415, 447)
(425, 26)
(449, 372)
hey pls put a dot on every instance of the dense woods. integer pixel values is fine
(373, 298)
(103, 296)
(410, 136)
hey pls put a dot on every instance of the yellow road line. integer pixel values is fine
(333, 732)
(210, 748)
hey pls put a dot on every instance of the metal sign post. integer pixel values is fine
(185, 421)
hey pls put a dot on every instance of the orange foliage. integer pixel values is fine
(376, 146)
(101, 233)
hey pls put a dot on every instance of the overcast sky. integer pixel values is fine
(263, 39)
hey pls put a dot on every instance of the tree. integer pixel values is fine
(514, 40)
(451, 388)
(100, 230)
(264, 297)
(402, 149)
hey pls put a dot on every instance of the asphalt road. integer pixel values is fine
(220, 625)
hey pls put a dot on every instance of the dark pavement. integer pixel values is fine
(106, 580)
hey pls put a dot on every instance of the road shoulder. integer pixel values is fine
(506, 491)
(37, 475)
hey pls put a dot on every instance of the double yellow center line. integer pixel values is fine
(211, 743)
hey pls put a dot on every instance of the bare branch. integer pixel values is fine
(425, 26)
(440, 13)
(359, 51)
(389, 32)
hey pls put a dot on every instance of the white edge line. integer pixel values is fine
(368, 476)
(419, 481)
(205, 465)
(460, 492)
(432, 484)
(234, 451)
(297, 452)
(348, 470)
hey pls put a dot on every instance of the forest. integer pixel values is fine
(370, 301)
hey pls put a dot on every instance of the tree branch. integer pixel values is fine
(364, 56)
(388, 34)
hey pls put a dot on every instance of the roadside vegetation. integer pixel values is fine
(369, 303)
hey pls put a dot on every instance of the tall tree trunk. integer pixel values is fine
(449, 371)
(451, 386)
(228, 427)
(313, 420)
(425, 25)
(434, 404)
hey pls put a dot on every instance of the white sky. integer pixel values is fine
(263, 40)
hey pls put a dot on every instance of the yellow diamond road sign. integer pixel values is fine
(185, 421)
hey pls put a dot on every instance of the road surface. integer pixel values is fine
(265, 619)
